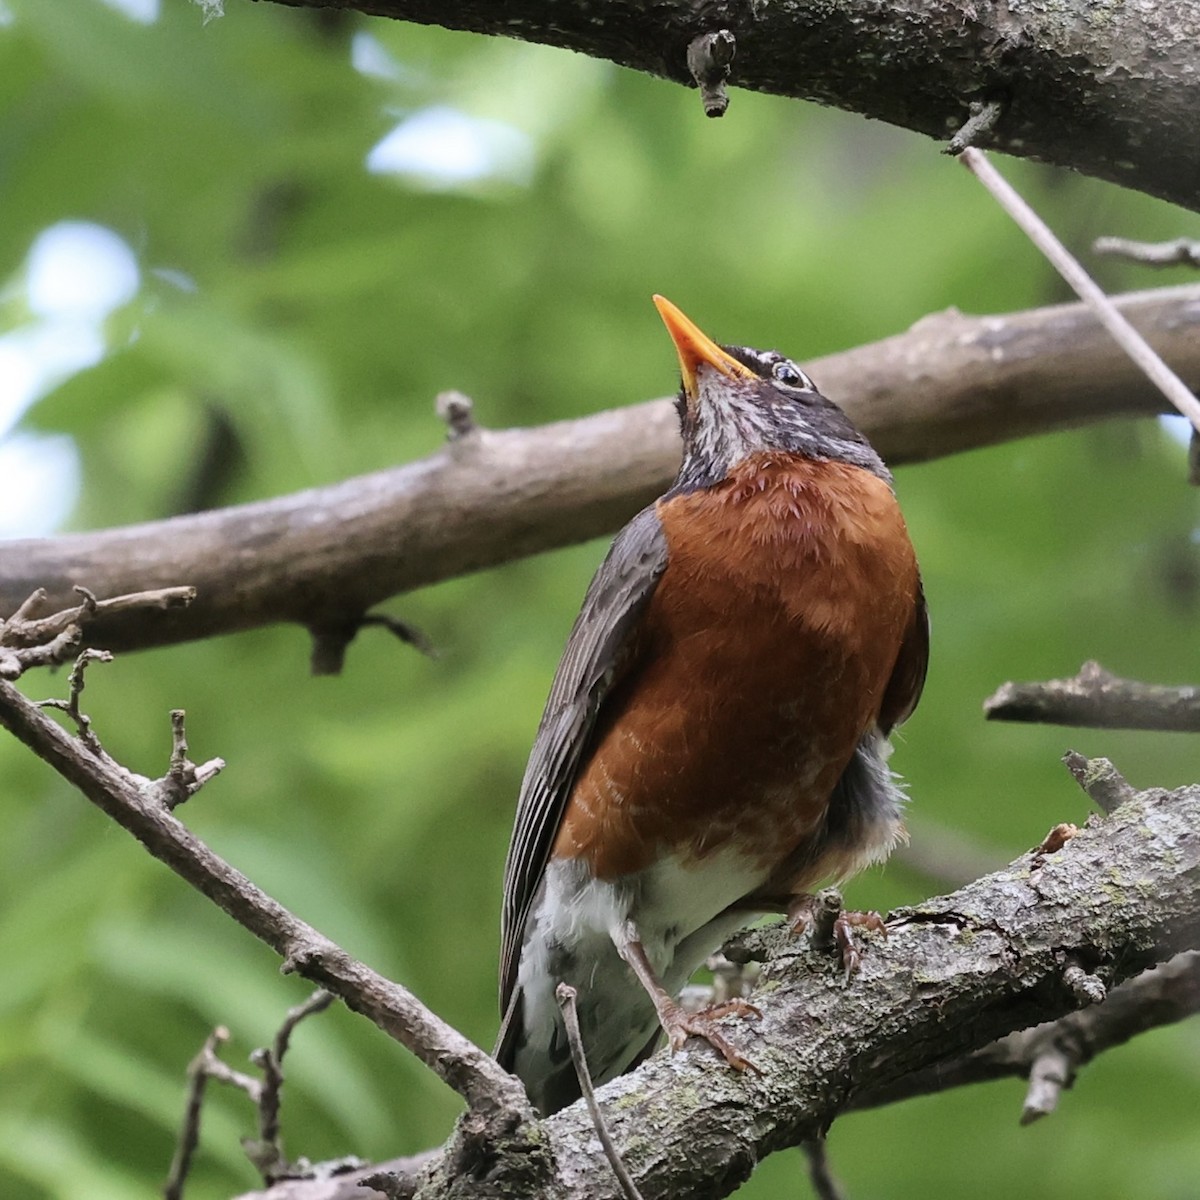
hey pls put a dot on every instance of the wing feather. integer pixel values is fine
(597, 654)
(908, 675)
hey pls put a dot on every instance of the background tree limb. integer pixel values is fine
(1111, 92)
(323, 557)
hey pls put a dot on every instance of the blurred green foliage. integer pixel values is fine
(298, 313)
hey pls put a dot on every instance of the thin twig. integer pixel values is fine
(75, 686)
(1165, 995)
(183, 778)
(27, 641)
(269, 1156)
(1085, 287)
(1180, 252)
(198, 1074)
(127, 799)
(565, 994)
(332, 639)
(820, 1175)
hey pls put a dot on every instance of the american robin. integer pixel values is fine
(714, 742)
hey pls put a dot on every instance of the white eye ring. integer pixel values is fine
(790, 375)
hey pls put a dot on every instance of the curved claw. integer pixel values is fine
(681, 1025)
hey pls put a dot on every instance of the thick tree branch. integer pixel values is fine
(1162, 996)
(323, 557)
(1110, 91)
(954, 975)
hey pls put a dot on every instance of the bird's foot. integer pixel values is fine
(832, 926)
(842, 935)
(680, 1025)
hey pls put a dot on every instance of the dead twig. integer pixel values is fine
(981, 120)
(75, 685)
(267, 1151)
(27, 641)
(1085, 287)
(201, 1069)
(1104, 784)
(1180, 252)
(136, 804)
(1097, 699)
(565, 995)
(183, 778)
(1164, 995)
(331, 641)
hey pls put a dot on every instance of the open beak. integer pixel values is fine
(694, 348)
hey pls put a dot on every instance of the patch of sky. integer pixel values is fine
(443, 149)
(75, 274)
(144, 12)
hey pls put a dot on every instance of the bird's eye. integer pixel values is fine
(790, 375)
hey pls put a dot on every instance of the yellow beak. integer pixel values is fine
(695, 347)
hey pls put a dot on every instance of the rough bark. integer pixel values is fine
(954, 974)
(323, 557)
(1110, 90)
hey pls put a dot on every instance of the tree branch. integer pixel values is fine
(323, 557)
(954, 974)
(1112, 97)
(1097, 699)
(141, 810)
(1161, 996)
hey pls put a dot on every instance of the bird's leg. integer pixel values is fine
(678, 1024)
(831, 924)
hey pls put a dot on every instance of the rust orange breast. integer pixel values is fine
(761, 661)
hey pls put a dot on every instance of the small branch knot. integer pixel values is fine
(981, 120)
(1105, 785)
(1086, 988)
(457, 411)
(709, 58)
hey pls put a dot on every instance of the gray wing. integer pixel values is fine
(908, 675)
(597, 652)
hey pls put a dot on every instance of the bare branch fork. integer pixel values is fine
(27, 640)
(265, 1151)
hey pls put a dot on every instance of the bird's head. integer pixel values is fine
(734, 402)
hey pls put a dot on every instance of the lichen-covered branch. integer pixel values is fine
(1109, 90)
(323, 557)
(1162, 995)
(954, 975)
